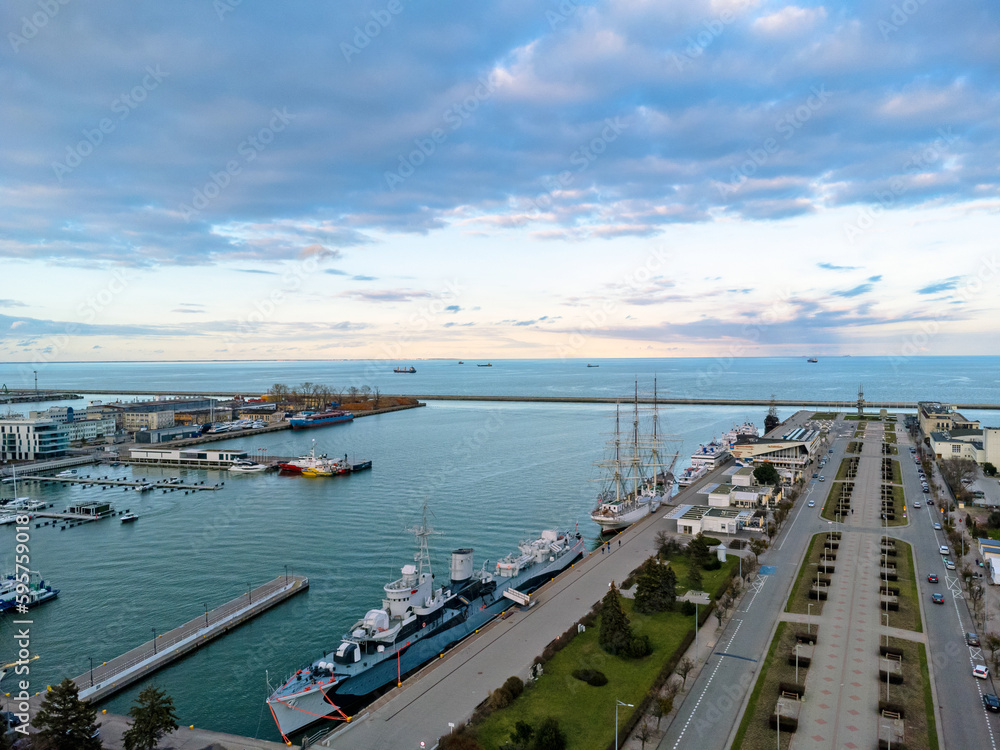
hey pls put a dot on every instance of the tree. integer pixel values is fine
(377, 394)
(992, 641)
(644, 734)
(64, 721)
(766, 474)
(459, 740)
(694, 578)
(521, 735)
(989, 469)
(662, 707)
(655, 588)
(684, 668)
(698, 551)
(153, 718)
(616, 631)
(758, 546)
(549, 736)
(667, 545)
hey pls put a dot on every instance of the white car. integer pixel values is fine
(812, 503)
(949, 564)
(916, 504)
(937, 527)
(980, 671)
(943, 550)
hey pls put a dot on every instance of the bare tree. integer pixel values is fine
(683, 669)
(644, 734)
(377, 394)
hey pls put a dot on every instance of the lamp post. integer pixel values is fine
(206, 615)
(617, 704)
(886, 630)
(154, 640)
(778, 723)
(809, 611)
(249, 593)
(286, 574)
(91, 670)
(696, 630)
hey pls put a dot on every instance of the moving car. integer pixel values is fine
(949, 564)
(815, 474)
(980, 671)
(812, 503)
(937, 527)
(991, 702)
(943, 550)
(932, 577)
(937, 598)
(822, 478)
(917, 504)
(971, 639)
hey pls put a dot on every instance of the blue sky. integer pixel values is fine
(393, 179)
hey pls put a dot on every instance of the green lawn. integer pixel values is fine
(914, 696)
(908, 616)
(824, 415)
(890, 437)
(585, 713)
(842, 469)
(830, 505)
(798, 599)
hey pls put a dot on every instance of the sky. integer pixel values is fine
(230, 179)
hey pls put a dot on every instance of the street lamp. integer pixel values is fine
(249, 593)
(206, 615)
(778, 723)
(154, 640)
(286, 574)
(809, 611)
(617, 704)
(91, 670)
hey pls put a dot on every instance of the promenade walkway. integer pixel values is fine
(842, 689)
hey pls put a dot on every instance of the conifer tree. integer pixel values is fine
(63, 720)
(152, 718)
(616, 631)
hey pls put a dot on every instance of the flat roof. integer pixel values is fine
(722, 489)
(746, 470)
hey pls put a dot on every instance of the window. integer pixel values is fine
(956, 448)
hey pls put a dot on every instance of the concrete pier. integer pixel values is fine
(109, 677)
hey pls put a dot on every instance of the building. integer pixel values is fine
(981, 445)
(167, 434)
(203, 416)
(703, 519)
(94, 508)
(934, 416)
(134, 421)
(88, 430)
(989, 550)
(194, 457)
(31, 439)
(744, 492)
(61, 414)
(789, 454)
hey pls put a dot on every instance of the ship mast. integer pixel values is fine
(635, 443)
(423, 556)
(618, 458)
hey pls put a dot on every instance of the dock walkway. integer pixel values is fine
(110, 677)
(133, 483)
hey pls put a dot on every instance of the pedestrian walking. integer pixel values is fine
(619, 542)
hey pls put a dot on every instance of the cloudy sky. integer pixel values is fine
(385, 178)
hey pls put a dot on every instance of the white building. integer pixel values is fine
(31, 439)
(702, 519)
(187, 457)
(88, 429)
(134, 421)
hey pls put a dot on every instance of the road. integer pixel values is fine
(710, 712)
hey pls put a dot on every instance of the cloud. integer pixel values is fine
(875, 278)
(364, 278)
(11, 303)
(940, 286)
(790, 20)
(387, 295)
(257, 270)
(453, 308)
(854, 291)
(832, 267)
(189, 307)
(335, 272)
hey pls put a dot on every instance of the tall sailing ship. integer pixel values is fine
(637, 477)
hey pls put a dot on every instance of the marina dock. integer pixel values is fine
(109, 677)
(127, 483)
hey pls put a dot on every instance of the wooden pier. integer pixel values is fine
(109, 677)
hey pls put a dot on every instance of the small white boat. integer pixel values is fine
(129, 517)
(4, 520)
(143, 487)
(67, 473)
(246, 466)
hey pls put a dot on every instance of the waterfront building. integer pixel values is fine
(31, 439)
(88, 430)
(134, 421)
(789, 454)
(704, 519)
(194, 457)
(933, 416)
(167, 434)
(981, 445)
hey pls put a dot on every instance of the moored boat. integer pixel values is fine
(308, 420)
(25, 590)
(419, 618)
(129, 517)
(246, 466)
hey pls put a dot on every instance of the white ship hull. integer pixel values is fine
(296, 712)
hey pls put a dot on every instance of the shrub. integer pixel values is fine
(500, 698)
(639, 647)
(687, 608)
(514, 685)
(712, 564)
(548, 736)
(591, 677)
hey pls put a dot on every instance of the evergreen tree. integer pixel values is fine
(616, 631)
(152, 718)
(646, 589)
(698, 552)
(694, 578)
(522, 734)
(766, 474)
(667, 581)
(549, 736)
(64, 721)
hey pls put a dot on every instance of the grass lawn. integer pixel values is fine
(890, 437)
(897, 493)
(908, 616)
(830, 505)
(914, 696)
(842, 471)
(854, 446)
(824, 415)
(755, 731)
(585, 713)
(798, 600)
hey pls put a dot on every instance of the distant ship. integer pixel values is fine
(637, 483)
(486, 365)
(410, 369)
(812, 359)
(418, 620)
(311, 461)
(307, 419)
(593, 365)
(129, 517)
(461, 362)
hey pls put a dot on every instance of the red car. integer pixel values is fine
(932, 578)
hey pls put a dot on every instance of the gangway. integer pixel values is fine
(516, 596)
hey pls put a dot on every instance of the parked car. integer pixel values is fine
(949, 564)
(815, 474)
(980, 671)
(937, 527)
(937, 598)
(932, 577)
(991, 702)
(971, 639)
(943, 549)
